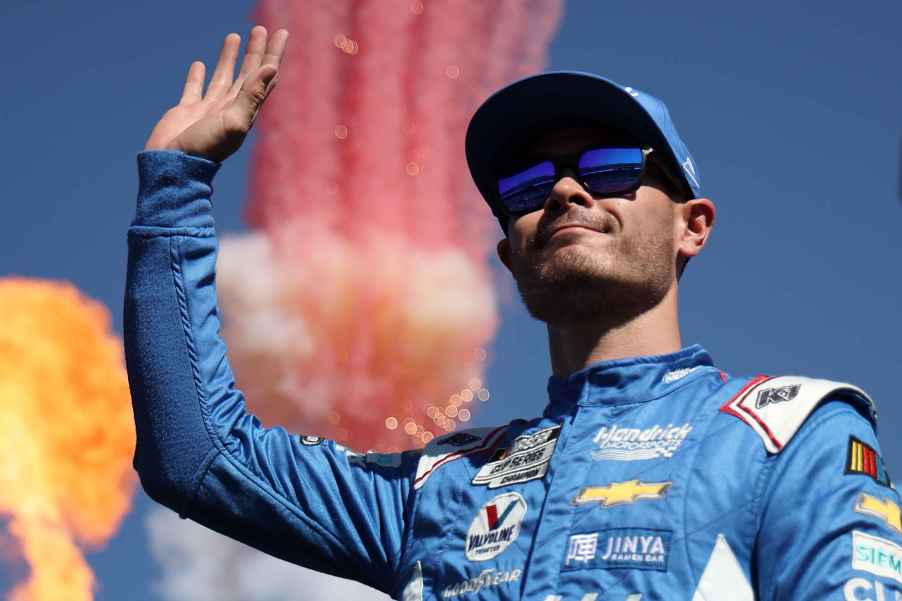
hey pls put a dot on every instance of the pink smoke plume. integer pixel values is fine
(360, 307)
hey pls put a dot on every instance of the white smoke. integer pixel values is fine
(202, 565)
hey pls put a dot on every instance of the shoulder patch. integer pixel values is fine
(776, 407)
(448, 448)
(864, 460)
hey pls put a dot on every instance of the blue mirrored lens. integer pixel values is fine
(611, 170)
(527, 190)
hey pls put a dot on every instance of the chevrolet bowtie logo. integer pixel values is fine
(884, 509)
(619, 493)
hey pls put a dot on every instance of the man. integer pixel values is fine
(650, 475)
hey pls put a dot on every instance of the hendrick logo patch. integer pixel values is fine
(876, 555)
(781, 394)
(632, 444)
(311, 441)
(526, 459)
(495, 527)
(619, 548)
(863, 459)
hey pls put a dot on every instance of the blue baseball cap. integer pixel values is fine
(547, 98)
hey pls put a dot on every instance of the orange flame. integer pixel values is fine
(66, 433)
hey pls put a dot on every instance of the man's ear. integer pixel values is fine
(697, 218)
(504, 252)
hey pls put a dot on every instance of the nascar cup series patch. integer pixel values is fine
(526, 459)
(495, 527)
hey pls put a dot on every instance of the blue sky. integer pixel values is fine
(791, 110)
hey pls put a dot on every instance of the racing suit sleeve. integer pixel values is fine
(199, 451)
(830, 526)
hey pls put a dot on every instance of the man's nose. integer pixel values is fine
(565, 192)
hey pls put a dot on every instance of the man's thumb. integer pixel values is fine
(255, 90)
(268, 77)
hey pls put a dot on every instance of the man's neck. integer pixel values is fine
(573, 346)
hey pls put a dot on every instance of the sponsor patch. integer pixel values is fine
(621, 493)
(876, 555)
(526, 459)
(883, 509)
(458, 439)
(855, 586)
(619, 548)
(311, 441)
(488, 578)
(495, 527)
(632, 444)
(678, 374)
(863, 459)
(780, 394)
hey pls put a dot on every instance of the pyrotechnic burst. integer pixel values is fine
(66, 433)
(360, 306)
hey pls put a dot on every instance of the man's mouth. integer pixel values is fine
(565, 229)
(572, 228)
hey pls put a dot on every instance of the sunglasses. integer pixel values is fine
(601, 171)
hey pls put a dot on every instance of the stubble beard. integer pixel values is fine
(578, 284)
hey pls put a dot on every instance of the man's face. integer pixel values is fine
(583, 255)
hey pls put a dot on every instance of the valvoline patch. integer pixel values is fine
(495, 527)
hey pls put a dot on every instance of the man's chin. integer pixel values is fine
(572, 264)
(569, 292)
(564, 295)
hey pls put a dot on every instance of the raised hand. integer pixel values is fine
(215, 125)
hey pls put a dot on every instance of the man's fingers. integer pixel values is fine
(276, 48)
(253, 54)
(252, 95)
(225, 67)
(194, 83)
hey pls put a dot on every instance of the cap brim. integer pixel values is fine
(531, 103)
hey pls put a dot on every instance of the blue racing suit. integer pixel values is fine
(656, 477)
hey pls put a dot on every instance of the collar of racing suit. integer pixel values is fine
(629, 380)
